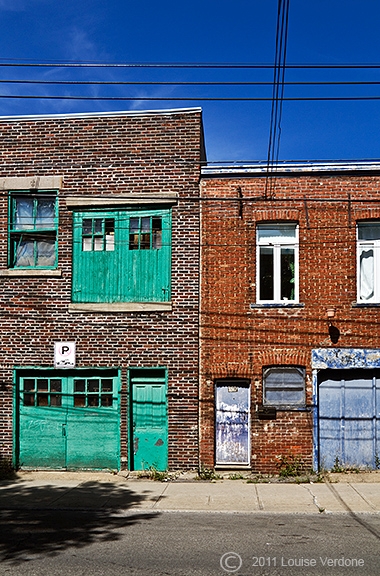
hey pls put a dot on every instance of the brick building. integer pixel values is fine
(290, 316)
(99, 277)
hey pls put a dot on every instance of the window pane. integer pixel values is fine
(55, 400)
(98, 229)
(93, 400)
(24, 214)
(106, 400)
(29, 385)
(42, 399)
(80, 400)
(281, 232)
(87, 244)
(93, 386)
(55, 385)
(287, 274)
(79, 386)
(107, 385)
(87, 226)
(366, 274)
(98, 243)
(134, 233)
(25, 253)
(45, 213)
(28, 399)
(145, 234)
(42, 384)
(369, 231)
(156, 233)
(110, 234)
(45, 252)
(266, 274)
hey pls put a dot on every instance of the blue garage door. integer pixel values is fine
(349, 418)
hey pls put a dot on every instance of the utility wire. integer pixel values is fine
(193, 98)
(278, 92)
(184, 65)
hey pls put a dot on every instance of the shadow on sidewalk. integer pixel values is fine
(48, 519)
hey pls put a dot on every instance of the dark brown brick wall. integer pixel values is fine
(105, 155)
(237, 341)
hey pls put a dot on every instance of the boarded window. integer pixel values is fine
(284, 387)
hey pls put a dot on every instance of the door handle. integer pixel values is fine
(63, 429)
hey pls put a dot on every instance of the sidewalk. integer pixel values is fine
(348, 493)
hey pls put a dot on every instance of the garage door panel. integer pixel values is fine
(348, 417)
(91, 440)
(42, 440)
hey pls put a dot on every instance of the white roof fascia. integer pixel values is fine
(75, 115)
(290, 167)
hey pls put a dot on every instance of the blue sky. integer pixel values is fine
(119, 31)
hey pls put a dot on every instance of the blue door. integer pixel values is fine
(349, 418)
(232, 444)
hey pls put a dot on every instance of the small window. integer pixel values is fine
(93, 392)
(98, 234)
(284, 387)
(277, 263)
(368, 262)
(145, 233)
(33, 227)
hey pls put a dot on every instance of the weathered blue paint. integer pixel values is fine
(232, 423)
(345, 358)
(346, 418)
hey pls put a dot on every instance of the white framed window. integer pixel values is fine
(284, 387)
(277, 263)
(368, 261)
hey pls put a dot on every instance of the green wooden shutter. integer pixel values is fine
(133, 266)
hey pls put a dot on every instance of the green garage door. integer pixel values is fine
(68, 420)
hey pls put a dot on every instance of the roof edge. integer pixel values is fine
(75, 115)
(289, 168)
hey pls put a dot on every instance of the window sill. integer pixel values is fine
(31, 272)
(121, 307)
(366, 304)
(277, 305)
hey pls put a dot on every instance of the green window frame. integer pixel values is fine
(33, 229)
(122, 256)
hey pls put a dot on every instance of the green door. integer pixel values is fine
(149, 421)
(68, 420)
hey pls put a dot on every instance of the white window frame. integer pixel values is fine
(375, 246)
(277, 243)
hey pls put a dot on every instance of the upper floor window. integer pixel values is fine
(33, 223)
(122, 256)
(277, 263)
(368, 261)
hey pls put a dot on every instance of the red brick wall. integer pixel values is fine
(237, 341)
(105, 155)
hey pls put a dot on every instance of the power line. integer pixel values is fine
(180, 65)
(193, 98)
(278, 91)
(187, 83)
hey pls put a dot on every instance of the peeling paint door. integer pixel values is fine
(149, 422)
(349, 418)
(232, 422)
(68, 420)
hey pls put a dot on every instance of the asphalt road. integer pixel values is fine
(105, 543)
